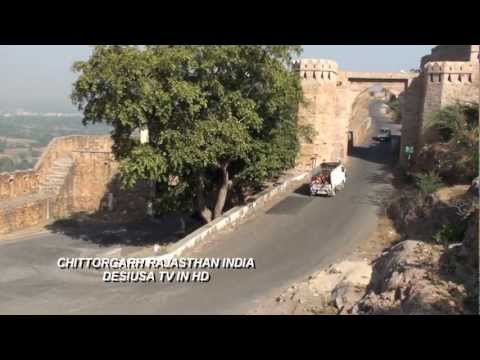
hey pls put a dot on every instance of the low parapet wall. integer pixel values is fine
(26, 182)
(84, 187)
(18, 183)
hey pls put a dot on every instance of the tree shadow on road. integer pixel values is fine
(303, 190)
(135, 233)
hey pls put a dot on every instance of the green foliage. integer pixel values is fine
(454, 122)
(428, 183)
(458, 125)
(450, 233)
(207, 109)
(395, 107)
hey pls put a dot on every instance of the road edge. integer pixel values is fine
(229, 218)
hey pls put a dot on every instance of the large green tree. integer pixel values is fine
(218, 116)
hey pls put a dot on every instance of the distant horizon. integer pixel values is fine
(38, 78)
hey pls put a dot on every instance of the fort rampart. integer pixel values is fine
(82, 184)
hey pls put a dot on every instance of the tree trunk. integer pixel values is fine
(222, 193)
(201, 205)
(183, 227)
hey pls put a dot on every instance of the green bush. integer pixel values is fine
(455, 122)
(429, 182)
(450, 233)
(395, 107)
(458, 126)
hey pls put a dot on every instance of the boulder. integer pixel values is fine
(474, 188)
(346, 295)
(407, 280)
(469, 249)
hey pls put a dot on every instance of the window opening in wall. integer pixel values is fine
(314, 75)
(305, 75)
(460, 77)
(322, 75)
(469, 77)
(439, 77)
(329, 75)
(450, 78)
(431, 77)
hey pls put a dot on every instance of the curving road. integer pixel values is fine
(293, 238)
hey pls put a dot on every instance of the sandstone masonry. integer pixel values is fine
(449, 74)
(72, 175)
(331, 96)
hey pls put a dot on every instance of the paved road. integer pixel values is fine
(296, 236)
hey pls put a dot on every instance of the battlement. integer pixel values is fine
(449, 67)
(451, 71)
(316, 69)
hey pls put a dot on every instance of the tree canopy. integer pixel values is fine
(218, 116)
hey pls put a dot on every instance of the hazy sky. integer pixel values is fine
(39, 77)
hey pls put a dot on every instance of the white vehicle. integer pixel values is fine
(384, 135)
(328, 178)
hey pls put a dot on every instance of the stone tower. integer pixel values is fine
(449, 74)
(319, 84)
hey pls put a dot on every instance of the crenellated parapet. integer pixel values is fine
(451, 71)
(450, 67)
(320, 70)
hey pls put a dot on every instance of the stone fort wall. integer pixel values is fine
(319, 83)
(332, 107)
(449, 74)
(22, 203)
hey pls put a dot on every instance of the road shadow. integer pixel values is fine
(121, 219)
(384, 156)
(375, 152)
(144, 232)
(303, 190)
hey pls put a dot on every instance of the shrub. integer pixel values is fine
(395, 107)
(450, 233)
(428, 183)
(457, 126)
(455, 122)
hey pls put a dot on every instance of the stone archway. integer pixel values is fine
(332, 97)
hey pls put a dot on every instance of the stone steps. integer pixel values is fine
(55, 178)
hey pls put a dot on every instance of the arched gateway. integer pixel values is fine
(329, 98)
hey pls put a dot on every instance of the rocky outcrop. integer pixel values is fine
(328, 292)
(408, 280)
(419, 217)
